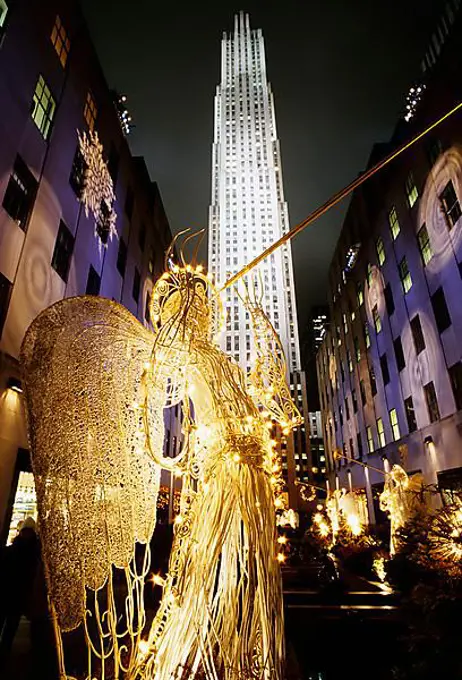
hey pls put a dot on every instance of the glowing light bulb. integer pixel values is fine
(282, 540)
(236, 458)
(143, 647)
(158, 580)
(281, 558)
(178, 519)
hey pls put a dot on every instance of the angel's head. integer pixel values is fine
(185, 300)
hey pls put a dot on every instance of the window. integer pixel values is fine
(450, 204)
(5, 293)
(359, 444)
(380, 433)
(394, 424)
(367, 337)
(432, 402)
(455, 375)
(377, 320)
(360, 293)
(362, 389)
(411, 190)
(380, 250)
(93, 282)
(405, 275)
(43, 107)
(433, 148)
(122, 257)
(399, 354)
(369, 274)
(347, 409)
(357, 350)
(136, 285)
(147, 307)
(90, 111)
(60, 41)
(64, 247)
(410, 414)
(142, 236)
(417, 335)
(424, 244)
(384, 367)
(349, 361)
(373, 381)
(389, 301)
(354, 401)
(20, 193)
(394, 223)
(129, 202)
(370, 439)
(3, 13)
(77, 176)
(440, 310)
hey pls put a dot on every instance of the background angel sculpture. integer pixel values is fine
(96, 384)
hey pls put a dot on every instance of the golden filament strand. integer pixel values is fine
(336, 198)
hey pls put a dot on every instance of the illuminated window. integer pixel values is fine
(3, 13)
(43, 107)
(24, 504)
(380, 433)
(62, 254)
(380, 247)
(405, 275)
(424, 244)
(377, 320)
(417, 334)
(370, 439)
(350, 362)
(410, 414)
(367, 337)
(369, 274)
(450, 204)
(90, 111)
(394, 424)
(60, 41)
(20, 194)
(432, 402)
(394, 223)
(357, 350)
(360, 293)
(411, 190)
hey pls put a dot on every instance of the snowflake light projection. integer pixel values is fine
(98, 189)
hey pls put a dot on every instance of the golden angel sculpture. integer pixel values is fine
(97, 383)
(402, 498)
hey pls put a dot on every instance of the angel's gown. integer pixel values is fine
(221, 612)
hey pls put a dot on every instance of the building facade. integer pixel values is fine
(52, 90)
(248, 211)
(390, 367)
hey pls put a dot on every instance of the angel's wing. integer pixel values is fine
(83, 361)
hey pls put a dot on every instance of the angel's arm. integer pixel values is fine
(268, 376)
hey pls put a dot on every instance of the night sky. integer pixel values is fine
(339, 72)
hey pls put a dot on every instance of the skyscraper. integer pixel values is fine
(248, 211)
